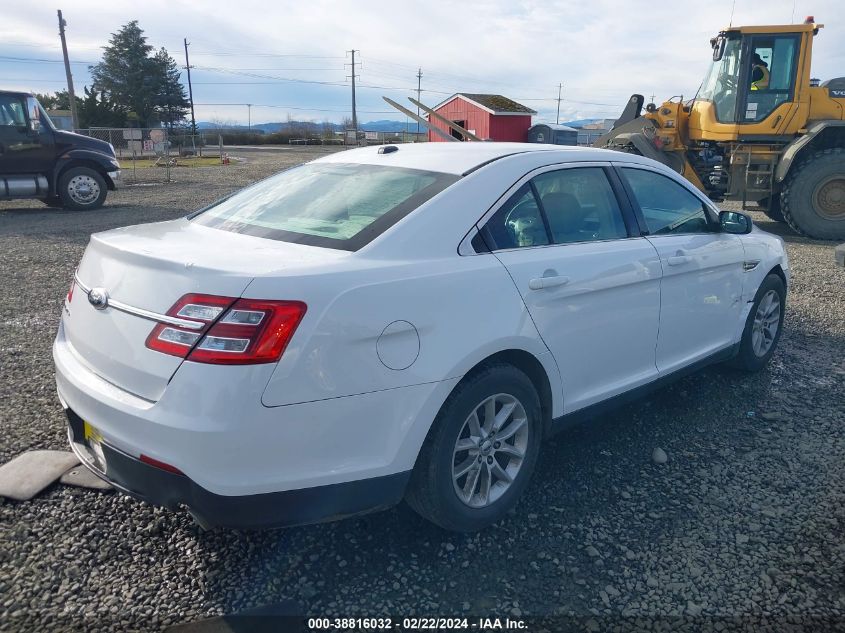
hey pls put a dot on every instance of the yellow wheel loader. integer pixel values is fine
(760, 130)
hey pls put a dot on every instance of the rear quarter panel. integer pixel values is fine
(462, 308)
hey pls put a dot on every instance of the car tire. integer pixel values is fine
(763, 326)
(441, 489)
(82, 189)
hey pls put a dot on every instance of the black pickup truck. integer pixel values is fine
(38, 161)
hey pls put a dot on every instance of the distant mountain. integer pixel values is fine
(383, 125)
(579, 123)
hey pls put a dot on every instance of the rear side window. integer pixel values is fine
(580, 205)
(566, 206)
(519, 222)
(331, 204)
(666, 205)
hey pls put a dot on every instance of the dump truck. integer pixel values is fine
(760, 130)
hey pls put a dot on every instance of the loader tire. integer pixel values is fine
(771, 207)
(813, 197)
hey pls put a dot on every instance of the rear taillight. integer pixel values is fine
(178, 341)
(251, 331)
(70, 291)
(234, 332)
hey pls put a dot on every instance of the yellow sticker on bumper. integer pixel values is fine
(91, 433)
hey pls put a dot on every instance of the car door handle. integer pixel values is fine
(541, 283)
(679, 260)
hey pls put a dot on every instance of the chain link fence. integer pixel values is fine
(151, 154)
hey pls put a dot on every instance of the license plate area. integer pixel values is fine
(88, 439)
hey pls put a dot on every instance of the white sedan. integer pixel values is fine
(399, 322)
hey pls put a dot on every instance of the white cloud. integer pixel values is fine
(602, 51)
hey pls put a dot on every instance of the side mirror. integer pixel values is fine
(34, 115)
(735, 222)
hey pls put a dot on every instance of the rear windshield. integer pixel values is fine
(326, 204)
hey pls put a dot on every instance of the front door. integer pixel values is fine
(591, 289)
(701, 289)
(771, 63)
(23, 150)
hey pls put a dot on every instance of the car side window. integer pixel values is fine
(666, 205)
(518, 222)
(11, 111)
(580, 205)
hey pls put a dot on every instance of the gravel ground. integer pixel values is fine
(743, 524)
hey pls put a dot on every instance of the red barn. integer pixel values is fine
(491, 117)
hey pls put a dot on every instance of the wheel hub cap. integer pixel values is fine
(83, 189)
(490, 450)
(830, 198)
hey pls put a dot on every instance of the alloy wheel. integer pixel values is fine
(766, 323)
(490, 450)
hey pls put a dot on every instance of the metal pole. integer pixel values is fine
(354, 113)
(70, 93)
(249, 116)
(167, 154)
(419, 91)
(559, 90)
(190, 89)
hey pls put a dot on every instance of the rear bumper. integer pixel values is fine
(276, 509)
(245, 464)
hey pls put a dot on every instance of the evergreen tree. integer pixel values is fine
(95, 111)
(138, 86)
(171, 102)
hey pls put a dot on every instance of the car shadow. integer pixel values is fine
(710, 417)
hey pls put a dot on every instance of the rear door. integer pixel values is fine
(701, 291)
(589, 283)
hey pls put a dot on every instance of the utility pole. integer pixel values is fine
(249, 116)
(354, 113)
(190, 89)
(70, 92)
(419, 91)
(652, 99)
(559, 90)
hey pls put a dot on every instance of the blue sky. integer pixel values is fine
(290, 57)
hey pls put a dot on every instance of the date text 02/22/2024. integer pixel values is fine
(416, 624)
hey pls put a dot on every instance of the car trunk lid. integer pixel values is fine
(147, 269)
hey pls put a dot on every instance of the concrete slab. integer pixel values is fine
(84, 478)
(28, 474)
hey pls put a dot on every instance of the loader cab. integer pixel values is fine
(751, 86)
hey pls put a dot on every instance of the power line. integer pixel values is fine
(38, 60)
(289, 107)
(236, 54)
